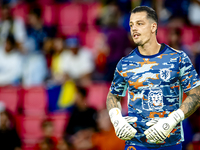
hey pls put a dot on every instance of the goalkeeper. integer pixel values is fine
(156, 76)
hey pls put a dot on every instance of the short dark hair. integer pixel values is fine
(36, 11)
(82, 91)
(11, 39)
(151, 13)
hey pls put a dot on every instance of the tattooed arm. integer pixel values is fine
(122, 128)
(157, 133)
(192, 102)
(113, 101)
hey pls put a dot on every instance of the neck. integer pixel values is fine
(150, 48)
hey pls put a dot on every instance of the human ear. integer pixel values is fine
(154, 27)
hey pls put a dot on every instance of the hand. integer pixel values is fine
(158, 132)
(152, 122)
(122, 128)
(130, 119)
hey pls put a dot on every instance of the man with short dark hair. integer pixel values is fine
(156, 76)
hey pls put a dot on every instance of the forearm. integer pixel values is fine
(113, 101)
(121, 124)
(192, 102)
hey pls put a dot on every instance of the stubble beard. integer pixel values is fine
(139, 43)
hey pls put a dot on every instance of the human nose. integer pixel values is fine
(133, 28)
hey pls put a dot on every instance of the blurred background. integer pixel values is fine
(57, 59)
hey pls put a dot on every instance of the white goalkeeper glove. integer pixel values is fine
(158, 132)
(122, 128)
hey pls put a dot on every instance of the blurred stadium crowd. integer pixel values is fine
(57, 59)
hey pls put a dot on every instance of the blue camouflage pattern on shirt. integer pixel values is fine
(155, 85)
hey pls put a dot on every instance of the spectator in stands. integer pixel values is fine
(82, 122)
(197, 62)
(12, 26)
(48, 141)
(158, 6)
(105, 139)
(36, 31)
(10, 63)
(9, 137)
(196, 50)
(194, 143)
(35, 67)
(101, 48)
(58, 81)
(48, 53)
(34, 70)
(57, 72)
(171, 12)
(77, 62)
(117, 38)
(178, 11)
(194, 11)
(62, 145)
(175, 41)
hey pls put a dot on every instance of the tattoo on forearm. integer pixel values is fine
(112, 101)
(191, 103)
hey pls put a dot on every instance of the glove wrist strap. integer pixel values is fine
(182, 115)
(115, 113)
(177, 115)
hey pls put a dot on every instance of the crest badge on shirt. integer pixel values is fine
(131, 148)
(153, 99)
(165, 74)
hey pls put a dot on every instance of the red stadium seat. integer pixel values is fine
(89, 38)
(69, 18)
(0, 12)
(67, 30)
(34, 101)
(49, 14)
(44, 2)
(30, 131)
(190, 35)
(28, 147)
(29, 128)
(97, 94)
(21, 10)
(10, 96)
(92, 13)
(59, 121)
(162, 35)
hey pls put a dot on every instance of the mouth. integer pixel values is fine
(136, 35)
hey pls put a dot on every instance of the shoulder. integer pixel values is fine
(18, 21)
(66, 53)
(129, 56)
(124, 60)
(173, 50)
(86, 51)
(179, 54)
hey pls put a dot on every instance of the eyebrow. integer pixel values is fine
(136, 21)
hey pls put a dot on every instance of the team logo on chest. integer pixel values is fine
(165, 74)
(153, 99)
